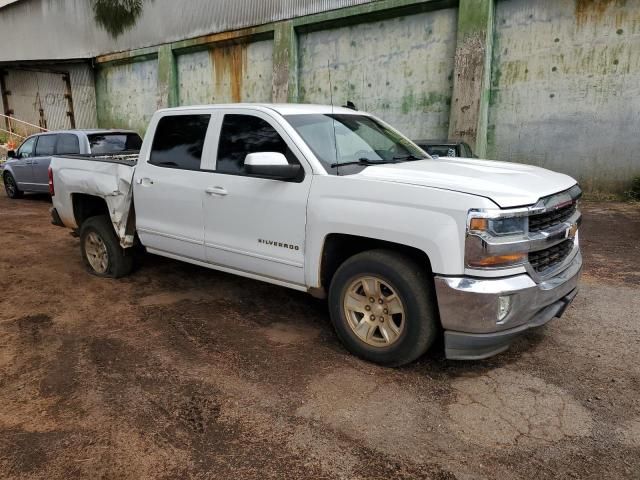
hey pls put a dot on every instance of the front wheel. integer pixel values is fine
(102, 254)
(11, 187)
(382, 306)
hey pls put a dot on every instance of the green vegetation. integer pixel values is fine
(633, 194)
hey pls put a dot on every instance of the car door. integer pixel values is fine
(255, 225)
(21, 166)
(45, 149)
(169, 187)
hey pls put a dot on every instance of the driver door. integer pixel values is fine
(255, 225)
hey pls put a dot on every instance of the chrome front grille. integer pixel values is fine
(544, 221)
(544, 260)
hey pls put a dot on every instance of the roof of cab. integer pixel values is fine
(281, 108)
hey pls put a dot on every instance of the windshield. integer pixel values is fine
(102, 143)
(341, 140)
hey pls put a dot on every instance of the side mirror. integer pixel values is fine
(271, 165)
(12, 154)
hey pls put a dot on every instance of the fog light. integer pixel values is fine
(504, 306)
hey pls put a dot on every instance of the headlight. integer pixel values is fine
(483, 227)
(499, 227)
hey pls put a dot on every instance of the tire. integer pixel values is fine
(11, 187)
(403, 286)
(102, 254)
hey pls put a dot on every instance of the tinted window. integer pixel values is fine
(179, 141)
(46, 145)
(27, 148)
(68, 144)
(101, 143)
(245, 134)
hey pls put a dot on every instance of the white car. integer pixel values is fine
(339, 204)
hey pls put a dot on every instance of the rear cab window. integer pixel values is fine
(116, 142)
(179, 141)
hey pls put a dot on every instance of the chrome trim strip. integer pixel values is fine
(168, 235)
(254, 255)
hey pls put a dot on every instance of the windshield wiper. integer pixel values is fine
(408, 158)
(362, 161)
(369, 162)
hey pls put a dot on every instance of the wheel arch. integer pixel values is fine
(86, 206)
(338, 247)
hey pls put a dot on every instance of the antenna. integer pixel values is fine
(333, 119)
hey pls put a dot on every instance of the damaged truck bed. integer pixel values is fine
(111, 179)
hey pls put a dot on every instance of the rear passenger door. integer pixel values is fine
(45, 149)
(169, 187)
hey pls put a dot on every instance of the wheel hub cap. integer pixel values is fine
(374, 311)
(97, 253)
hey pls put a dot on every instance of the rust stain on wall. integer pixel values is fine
(229, 64)
(593, 10)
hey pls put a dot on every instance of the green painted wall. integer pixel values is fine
(127, 95)
(566, 89)
(400, 69)
(231, 73)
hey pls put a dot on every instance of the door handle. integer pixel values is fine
(145, 182)
(220, 191)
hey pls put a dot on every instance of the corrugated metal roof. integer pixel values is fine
(64, 29)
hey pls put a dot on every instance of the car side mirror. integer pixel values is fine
(271, 165)
(12, 154)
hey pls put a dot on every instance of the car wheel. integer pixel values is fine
(11, 187)
(382, 305)
(101, 251)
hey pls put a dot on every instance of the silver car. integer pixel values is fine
(27, 169)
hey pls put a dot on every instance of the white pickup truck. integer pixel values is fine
(339, 204)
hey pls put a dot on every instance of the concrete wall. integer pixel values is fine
(225, 74)
(548, 82)
(566, 88)
(127, 94)
(400, 69)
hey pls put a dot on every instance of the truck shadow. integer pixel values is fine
(165, 281)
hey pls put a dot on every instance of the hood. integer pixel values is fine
(507, 184)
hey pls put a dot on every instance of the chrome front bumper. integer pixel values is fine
(469, 309)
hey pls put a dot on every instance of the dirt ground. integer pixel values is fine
(182, 372)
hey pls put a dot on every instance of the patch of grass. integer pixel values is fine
(598, 196)
(633, 194)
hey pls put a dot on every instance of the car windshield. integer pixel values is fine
(343, 139)
(114, 142)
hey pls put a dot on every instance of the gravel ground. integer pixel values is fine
(182, 372)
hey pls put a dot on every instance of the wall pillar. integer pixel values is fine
(167, 78)
(285, 63)
(472, 74)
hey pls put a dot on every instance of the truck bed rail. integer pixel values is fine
(129, 157)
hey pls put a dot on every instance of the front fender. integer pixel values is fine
(430, 220)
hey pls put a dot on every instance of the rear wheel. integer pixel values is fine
(383, 307)
(11, 187)
(101, 252)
